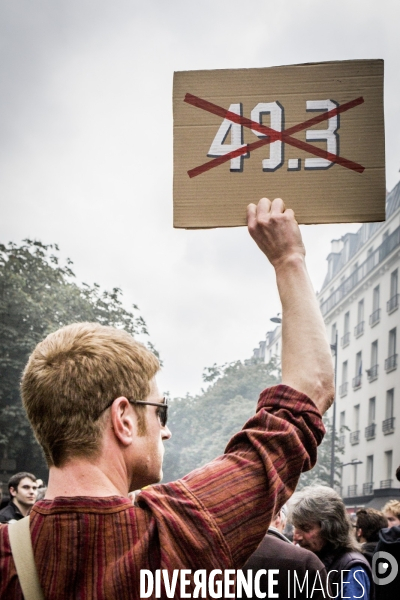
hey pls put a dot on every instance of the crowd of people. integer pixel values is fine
(92, 399)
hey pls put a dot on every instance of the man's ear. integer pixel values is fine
(123, 420)
(13, 492)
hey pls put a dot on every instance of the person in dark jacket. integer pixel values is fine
(368, 524)
(322, 525)
(300, 574)
(23, 491)
(386, 562)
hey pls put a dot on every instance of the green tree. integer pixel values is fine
(202, 425)
(38, 295)
(321, 473)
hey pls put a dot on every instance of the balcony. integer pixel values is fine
(393, 303)
(354, 437)
(362, 272)
(357, 382)
(375, 317)
(359, 329)
(352, 490)
(388, 426)
(372, 373)
(370, 432)
(345, 341)
(386, 483)
(341, 441)
(343, 389)
(368, 488)
(391, 363)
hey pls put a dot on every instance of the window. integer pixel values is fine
(376, 311)
(392, 342)
(346, 327)
(394, 283)
(371, 410)
(371, 427)
(342, 420)
(356, 417)
(374, 353)
(343, 386)
(388, 423)
(370, 469)
(372, 372)
(333, 333)
(360, 311)
(359, 329)
(393, 302)
(389, 408)
(355, 474)
(346, 330)
(389, 463)
(375, 298)
(358, 374)
(391, 361)
(344, 371)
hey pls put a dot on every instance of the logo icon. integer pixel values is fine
(384, 568)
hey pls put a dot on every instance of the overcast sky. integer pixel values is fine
(86, 151)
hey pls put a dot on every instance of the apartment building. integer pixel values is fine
(360, 303)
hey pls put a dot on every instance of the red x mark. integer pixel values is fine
(272, 135)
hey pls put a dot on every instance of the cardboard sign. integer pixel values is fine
(311, 134)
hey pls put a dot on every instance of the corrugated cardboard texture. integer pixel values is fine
(218, 197)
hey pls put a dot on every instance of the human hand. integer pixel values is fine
(275, 231)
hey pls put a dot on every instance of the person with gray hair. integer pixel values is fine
(322, 525)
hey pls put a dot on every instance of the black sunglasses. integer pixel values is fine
(162, 410)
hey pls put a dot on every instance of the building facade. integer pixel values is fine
(360, 303)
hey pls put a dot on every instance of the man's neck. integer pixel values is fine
(81, 477)
(24, 509)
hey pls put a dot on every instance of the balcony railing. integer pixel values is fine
(372, 373)
(386, 483)
(375, 317)
(342, 439)
(352, 490)
(343, 389)
(368, 488)
(393, 303)
(391, 363)
(345, 341)
(357, 382)
(374, 259)
(354, 437)
(388, 425)
(359, 329)
(370, 431)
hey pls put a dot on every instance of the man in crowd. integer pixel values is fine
(92, 399)
(322, 525)
(368, 524)
(391, 510)
(300, 574)
(386, 560)
(22, 488)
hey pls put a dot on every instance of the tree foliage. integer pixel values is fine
(38, 295)
(202, 425)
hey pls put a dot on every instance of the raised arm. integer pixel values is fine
(306, 357)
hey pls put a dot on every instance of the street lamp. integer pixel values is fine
(276, 319)
(334, 348)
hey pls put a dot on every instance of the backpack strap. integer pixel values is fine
(22, 551)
